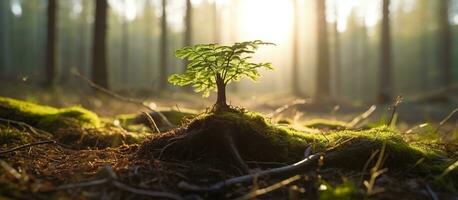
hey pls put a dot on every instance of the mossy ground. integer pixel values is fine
(252, 132)
(258, 139)
(46, 117)
(74, 125)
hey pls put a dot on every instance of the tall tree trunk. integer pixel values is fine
(148, 31)
(216, 25)
(163, 51)
(188, 24)
(424, 55)
(385, 79)
(125, 51)
(364, 65)
(51, 38)
(323, 86)
(99, 57)
(4, 39)
(445, 42)
(81, 61)
(337, 56)
(295, 70)
(234, 7)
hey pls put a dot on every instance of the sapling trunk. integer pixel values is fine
(221, 92)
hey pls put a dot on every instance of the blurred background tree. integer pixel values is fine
(354, 50)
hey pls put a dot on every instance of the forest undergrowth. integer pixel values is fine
(49, 152)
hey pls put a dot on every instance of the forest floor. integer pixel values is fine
(99, 159)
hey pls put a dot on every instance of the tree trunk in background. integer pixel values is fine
(163, 56)
(99, 54)
(188, 29)
(364, 65)
(295, 69)
(81, 61)
(234, 7)
(385, 79)
(353, 27)
(148, 31)
(445, 42)
(216, 24)
(337, 56)
(323, 85)
(125, 51)
(51, 38)
(4, 46)
(424, 55)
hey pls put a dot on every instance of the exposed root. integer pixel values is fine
(235, 152)
(271, 173)
(27, 145)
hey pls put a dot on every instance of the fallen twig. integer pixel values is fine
(35, 131)
(151, 121)
(112, 181)
(362, 117)
(271, 188)
(122, 98)
(28, 145)
(235, 153)
(394, 108)
(416, 127)
(286, 107)
(448, 117)
(154, 194)
(82, 184)
(276, 172)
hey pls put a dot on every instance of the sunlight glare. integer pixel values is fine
(16, 8)
(269, 20)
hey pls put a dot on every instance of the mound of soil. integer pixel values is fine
(209, 136)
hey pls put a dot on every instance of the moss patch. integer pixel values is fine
(345, 191)
(258, 139)
(12, 136)
(46, 117)
(176, 117)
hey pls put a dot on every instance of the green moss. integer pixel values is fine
(290, 144)
(325, 123)
(9, 136)
(46, 117)
(345, 191)
(138, 122)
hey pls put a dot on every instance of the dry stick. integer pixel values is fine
(394, 107)
(235, 153)
(362, 117)
(155, 194)
(271, 188)
(121, 186)
(286, 107)
(28, 145)
(151, 121)
(31, 128)
(122, 98)
(449, 116)
(81, 184)
(174, 140)
(278, 172)
(35, 131)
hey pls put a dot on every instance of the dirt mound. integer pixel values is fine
(256, 138)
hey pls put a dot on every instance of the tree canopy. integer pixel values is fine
(208, 63)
